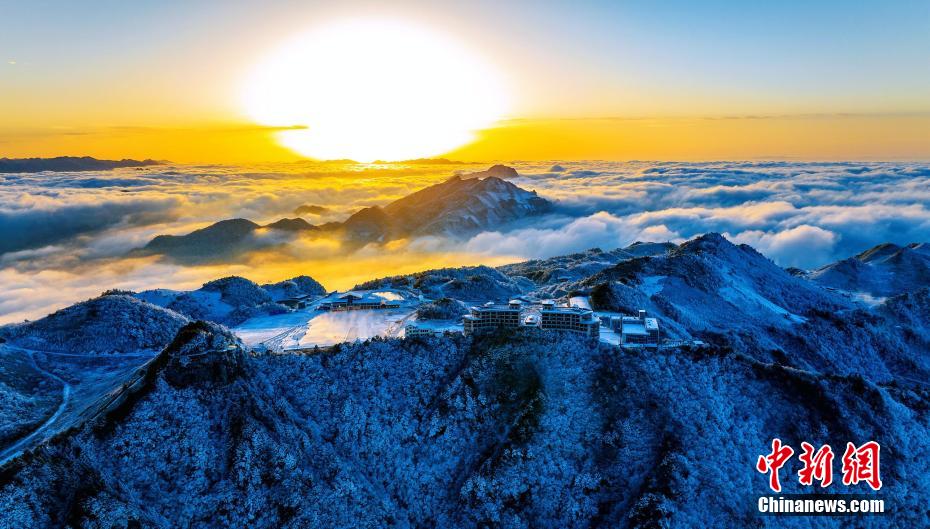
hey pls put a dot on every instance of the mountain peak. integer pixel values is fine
(709, 242)
(464, 205)
(294, 224)
(880, 251)
(112, 323)
(882, 271)
(203, 352)
(497, 171)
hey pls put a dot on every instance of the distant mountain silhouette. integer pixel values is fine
(426, 161)
(459, 207)
(497, 171)
(310, 209)
(224, 240)
(67, 163)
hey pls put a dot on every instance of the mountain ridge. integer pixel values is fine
(461, 206)
(68, 163)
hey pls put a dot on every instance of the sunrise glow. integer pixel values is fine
(374, 89)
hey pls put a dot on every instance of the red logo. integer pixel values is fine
(817, 466)
(773, 462)
(859, 464)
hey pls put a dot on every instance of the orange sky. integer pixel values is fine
(597, 80)
(817, 137)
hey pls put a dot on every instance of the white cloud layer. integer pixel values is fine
(58, 229)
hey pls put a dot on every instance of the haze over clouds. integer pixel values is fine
(66, 235)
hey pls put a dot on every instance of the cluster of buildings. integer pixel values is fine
(634, 331)
(543, 315)
(356, 301)
(639, 331)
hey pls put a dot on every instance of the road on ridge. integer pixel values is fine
(17, 447)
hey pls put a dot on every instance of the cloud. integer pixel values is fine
(63, 236)
(802, 247)
(36, 223)
(598, 230)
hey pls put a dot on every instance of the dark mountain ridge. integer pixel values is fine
(68, 163)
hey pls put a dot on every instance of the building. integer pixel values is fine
(572, 319)
(493, 316)
(355, 301)
(297, 303)
(519, 313)
(639, 331)
(411, 330)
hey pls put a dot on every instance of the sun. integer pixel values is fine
(374, 90)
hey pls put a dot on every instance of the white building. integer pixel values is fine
(573, 319)
(493, 316)
(411, 330)
(521, 313)
(358, 301)
(639, 331)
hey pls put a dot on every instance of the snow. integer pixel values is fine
(256, 330)
(739, 295)
(160, 296)
(652, 285)
(310, 327)
(388, 295)
(580, 301)
(330, 328)
(440, 325)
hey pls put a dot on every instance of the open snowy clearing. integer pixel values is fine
(309, 327)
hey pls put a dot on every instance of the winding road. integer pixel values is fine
(23, 443)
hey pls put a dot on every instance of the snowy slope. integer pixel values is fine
(532, 431)
(232, 300)
(468, 283)
(109, 324)
(882, 271)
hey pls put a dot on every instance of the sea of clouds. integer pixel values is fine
(65, 236)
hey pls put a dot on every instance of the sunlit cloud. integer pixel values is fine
(66, 236)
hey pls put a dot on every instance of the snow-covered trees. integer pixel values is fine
(534, 430)
(107, 324)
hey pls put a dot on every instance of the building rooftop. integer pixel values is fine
(361, 297)
(639, 326)
(491, 306)
(635, 327)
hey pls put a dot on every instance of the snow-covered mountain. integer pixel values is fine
(537, 430)
(112, 323)
(294, 287)
(459, 207)
(882, 271)
(464, 206)
(232, 300)
(468, 283)
(522, 430)
(722, 293)
(553, 274)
